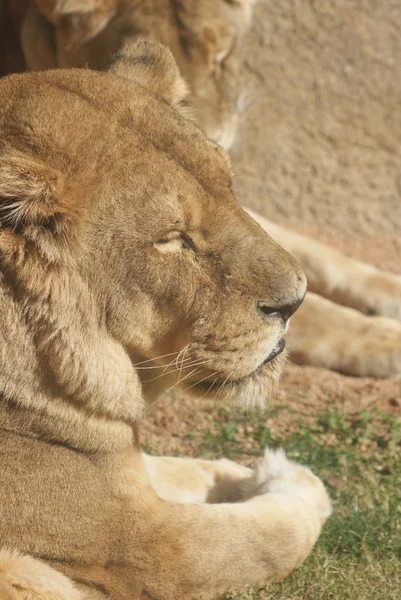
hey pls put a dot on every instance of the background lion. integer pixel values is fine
(205, 38)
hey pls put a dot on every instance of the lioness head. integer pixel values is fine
(132, 265)
(205, 37)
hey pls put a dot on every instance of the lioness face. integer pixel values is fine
(137, 202)
(205, 38)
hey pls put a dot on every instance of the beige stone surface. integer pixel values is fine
(320, 140)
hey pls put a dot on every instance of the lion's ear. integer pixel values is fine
(80, 20)
(153, 66)
(30, 191)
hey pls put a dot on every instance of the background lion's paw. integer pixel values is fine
(276, 474)
(383, 295)
(375, 350)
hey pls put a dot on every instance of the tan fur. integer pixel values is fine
(29, 579)
(205, 37)
(296, 499)
(127, 267)
(189, 480)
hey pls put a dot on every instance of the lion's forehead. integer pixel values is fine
(93, 114)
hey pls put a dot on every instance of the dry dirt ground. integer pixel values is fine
(318, 150)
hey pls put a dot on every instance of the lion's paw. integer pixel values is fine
(325, 334)
(382, 295)
(375, 350)
(276, 474)
(273, 470)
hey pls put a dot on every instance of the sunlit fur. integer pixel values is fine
(127, 267)
(205, 37)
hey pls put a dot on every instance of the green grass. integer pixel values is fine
(358, 556)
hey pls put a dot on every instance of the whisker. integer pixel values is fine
(165, 366)
(170, 389)
(181, 354)
(156, 366)
(165, 373)
(200, 381)
(156, 358)
(225, 381)
(209, 388)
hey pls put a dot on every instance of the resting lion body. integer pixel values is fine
(334, 328)
(205, 38)
(126, 267)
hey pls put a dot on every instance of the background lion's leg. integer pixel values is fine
(193, 480)
(328, 335)
(337, 277)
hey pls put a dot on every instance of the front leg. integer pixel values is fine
(189, 480)
(337, 277)
(193, 551)
(166, 550)
(324, 334)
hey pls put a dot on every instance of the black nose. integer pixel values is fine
(284, 312)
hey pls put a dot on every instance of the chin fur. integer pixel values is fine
(252, 393)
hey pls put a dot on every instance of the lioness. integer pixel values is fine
(205, 37)
(126, 266)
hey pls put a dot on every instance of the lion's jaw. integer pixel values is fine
(128, 242)
(252, 391)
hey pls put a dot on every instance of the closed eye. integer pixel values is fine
(175, 240)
